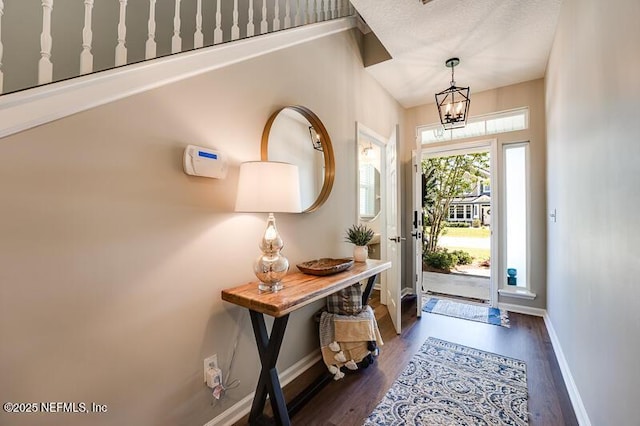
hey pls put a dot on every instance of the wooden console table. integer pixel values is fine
(299, 290)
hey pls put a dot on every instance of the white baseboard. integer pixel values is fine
(242, 407)
(536, 312)
(405, 292)
(574, 395)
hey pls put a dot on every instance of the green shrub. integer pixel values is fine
(462, 257)
(476, 223)
(440, 259)
(456, 224)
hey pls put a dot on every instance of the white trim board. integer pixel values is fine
(29, 108)
(404, 292)
(536, 312)
(243, 407)
(572, 389)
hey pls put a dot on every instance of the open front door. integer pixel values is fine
(393, 231)
(417, 229)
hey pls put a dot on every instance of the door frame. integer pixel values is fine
(381, 141)
(462, 147)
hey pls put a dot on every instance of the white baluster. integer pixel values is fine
(297, 21)
(150, 46)
(176, 41)
(86, 57)
(45, 67)
(311, 9)
(334, 12)
(287, 14)
(319, 11)
(1, 46)
(264, 26)
(339, 2)
(305, 12)
(198, 37)
(121, 49)
(276, 16)
(235, 29)
(217, 33)
(251, 30)
(327, 14)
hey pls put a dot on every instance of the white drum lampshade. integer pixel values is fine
(269, 187)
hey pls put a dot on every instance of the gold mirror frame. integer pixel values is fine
(327, 151)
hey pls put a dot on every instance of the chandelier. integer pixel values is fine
(453, 103)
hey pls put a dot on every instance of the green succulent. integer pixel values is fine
(359, 235)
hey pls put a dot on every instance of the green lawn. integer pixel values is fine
(467, 232)
(476, 253)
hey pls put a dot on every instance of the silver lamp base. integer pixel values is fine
(272, 288)
(271, 266)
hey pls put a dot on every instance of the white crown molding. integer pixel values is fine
(29, 108)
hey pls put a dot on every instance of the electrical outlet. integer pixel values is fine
(209, 362)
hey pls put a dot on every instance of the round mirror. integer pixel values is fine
(294, 134)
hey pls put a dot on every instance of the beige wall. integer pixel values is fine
(529, 94)
(593, 100)
(112, 259)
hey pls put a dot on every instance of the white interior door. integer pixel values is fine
(417, 229)
(393, 231)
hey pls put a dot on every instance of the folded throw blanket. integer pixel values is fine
(345, 340)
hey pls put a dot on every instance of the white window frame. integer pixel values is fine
(475, 119)
(507, 290)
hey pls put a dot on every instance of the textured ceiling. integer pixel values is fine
(499, 42)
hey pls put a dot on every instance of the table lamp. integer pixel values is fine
(269, 187)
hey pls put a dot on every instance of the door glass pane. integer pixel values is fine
(516, 214)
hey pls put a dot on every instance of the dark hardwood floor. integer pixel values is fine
(349, 401)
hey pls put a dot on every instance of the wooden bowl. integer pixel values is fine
(325, 266)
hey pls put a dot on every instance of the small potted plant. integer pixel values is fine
(360, 236)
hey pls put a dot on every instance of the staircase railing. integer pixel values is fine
(49, 42)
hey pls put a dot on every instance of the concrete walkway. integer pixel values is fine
(457, 285)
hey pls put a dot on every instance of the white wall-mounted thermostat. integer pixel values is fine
(205, 162)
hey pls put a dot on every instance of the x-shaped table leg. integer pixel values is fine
(269, 348)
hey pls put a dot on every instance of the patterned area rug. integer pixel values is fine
(449, 384)
(486, 314)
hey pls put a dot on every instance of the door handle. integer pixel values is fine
(397, 239)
